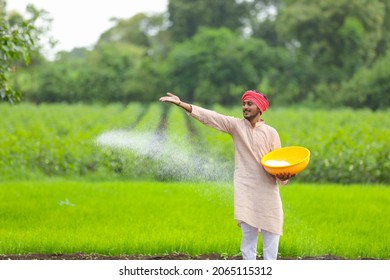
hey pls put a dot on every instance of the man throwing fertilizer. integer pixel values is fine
(257, 202)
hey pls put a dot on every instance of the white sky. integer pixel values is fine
(79, 23)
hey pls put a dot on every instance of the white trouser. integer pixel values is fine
(249, 243)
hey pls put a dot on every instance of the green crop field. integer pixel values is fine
(129, 218)
(60, 140)
(148, 179)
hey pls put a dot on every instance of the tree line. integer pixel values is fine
(328, 53)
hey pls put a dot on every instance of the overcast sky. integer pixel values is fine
(79, 23)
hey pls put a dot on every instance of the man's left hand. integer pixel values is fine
(284, 176)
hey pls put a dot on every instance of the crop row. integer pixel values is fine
(160, 142)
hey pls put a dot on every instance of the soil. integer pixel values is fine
(81, 256)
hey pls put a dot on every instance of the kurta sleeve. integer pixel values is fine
(213, 119)
(275, 140)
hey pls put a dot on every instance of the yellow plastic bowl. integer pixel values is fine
(292, 159)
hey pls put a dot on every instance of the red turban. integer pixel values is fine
(260, 101)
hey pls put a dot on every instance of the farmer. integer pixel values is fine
(257, 202)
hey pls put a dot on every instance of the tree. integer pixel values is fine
(217, 65)
(14, 45)
(369, 87)
(127, 31)
(112, 65)
(83, 75)
(18, 39)
(260, 19)
(148, 31)
(335, 38)
(187, 16)
(125, 56)
(384, 42)
(338, 35)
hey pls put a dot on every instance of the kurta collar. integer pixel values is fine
(259, 123)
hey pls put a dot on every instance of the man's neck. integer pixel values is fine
(255, 120)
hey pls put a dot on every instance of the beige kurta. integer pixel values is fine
(257, 200)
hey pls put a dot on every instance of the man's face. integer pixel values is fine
(250, 110)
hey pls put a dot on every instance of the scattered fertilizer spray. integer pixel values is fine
(169, 159)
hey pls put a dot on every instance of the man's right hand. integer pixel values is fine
(171, 98)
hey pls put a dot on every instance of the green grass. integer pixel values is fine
(350, 221)
(114, 218)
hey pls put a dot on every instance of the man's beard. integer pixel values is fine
(251, 116)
